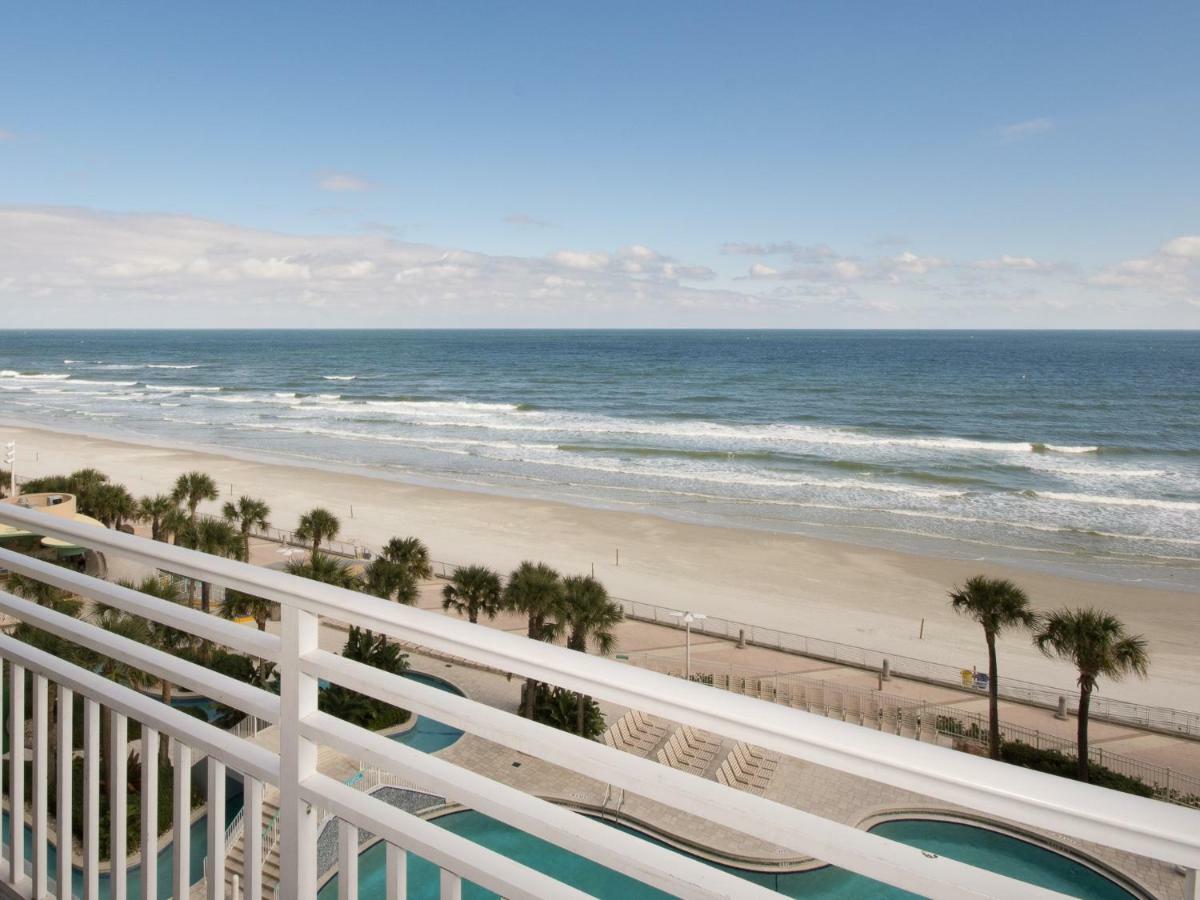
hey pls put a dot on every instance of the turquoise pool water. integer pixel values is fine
(977, 846)
(426, 735)
(197, 851)
(210, 708)
(429, 735)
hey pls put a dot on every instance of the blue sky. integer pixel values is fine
(897, 149)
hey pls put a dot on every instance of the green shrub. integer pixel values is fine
(1055, 763)
(559, 708)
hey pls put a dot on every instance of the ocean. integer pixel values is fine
(1066, 451)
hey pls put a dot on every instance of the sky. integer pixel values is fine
(759, 165)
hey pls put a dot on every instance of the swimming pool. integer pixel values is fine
(977, 846)
(426, 734)
(429, 735)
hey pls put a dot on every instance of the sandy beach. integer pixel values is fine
(825, 589)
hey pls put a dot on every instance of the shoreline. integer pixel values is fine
(851, 593)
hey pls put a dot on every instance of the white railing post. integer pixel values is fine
(41, 777)
(451, 886)
(347, 861)
(1191, 885)
(297, 756)
(65, 761)
(181, 846)
(252, 839)
(16, 772)
(397, 873)
(91, 799)
(216, 829)
(149, 813)
(117, 826)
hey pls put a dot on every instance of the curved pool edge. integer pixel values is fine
(801, 866)
(1042, 841)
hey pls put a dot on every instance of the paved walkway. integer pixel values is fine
(708, 653)
(829, 793)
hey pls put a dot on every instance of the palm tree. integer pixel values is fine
(46, 595)
(326, 570)
(60, 601)
(589, 615)
(536, 590)
(318, 525)
(1096, 643)
(84, 484)
(157, 511)
(216, 538)
(247, 513)
(237, 605)
(411, 553)
(176, 526)
(391, 581)
(127, 626)
(473, 590)
(164, 637)
(997, 604)
(191, 489)
(112, 504)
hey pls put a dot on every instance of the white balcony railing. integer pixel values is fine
(1136, 825)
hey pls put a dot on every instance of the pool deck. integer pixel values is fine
(835, 795)
(829, 793)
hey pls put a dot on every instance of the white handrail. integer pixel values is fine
(1086, 812)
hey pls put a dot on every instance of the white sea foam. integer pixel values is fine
(101, 383)
(40, 376)
(172, 366)
(1106, 500)
(339, 377)
(180, 388)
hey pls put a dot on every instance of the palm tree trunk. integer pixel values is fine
(472, 615)
(580, 704)
(163, 749)
(530, 697)
(993, 700)
(1085, 699)
(106, 715)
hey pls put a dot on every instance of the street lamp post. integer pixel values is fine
(688, 618)
(10, 457)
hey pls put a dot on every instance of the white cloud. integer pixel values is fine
(1187, 247)
(1015, 264)
(342, 182)
(798, 252)
(581, 259)
(1030, 127)
(128, 270)
(522, 220)
(910, 263)
(1173, 270)
(7, 135)
(102, 269)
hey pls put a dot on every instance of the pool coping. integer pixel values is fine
(810, 864)
(391, 731)
(1043, 841)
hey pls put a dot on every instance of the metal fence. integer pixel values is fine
(1167, 720)
(941, 723)
(1156, 718)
